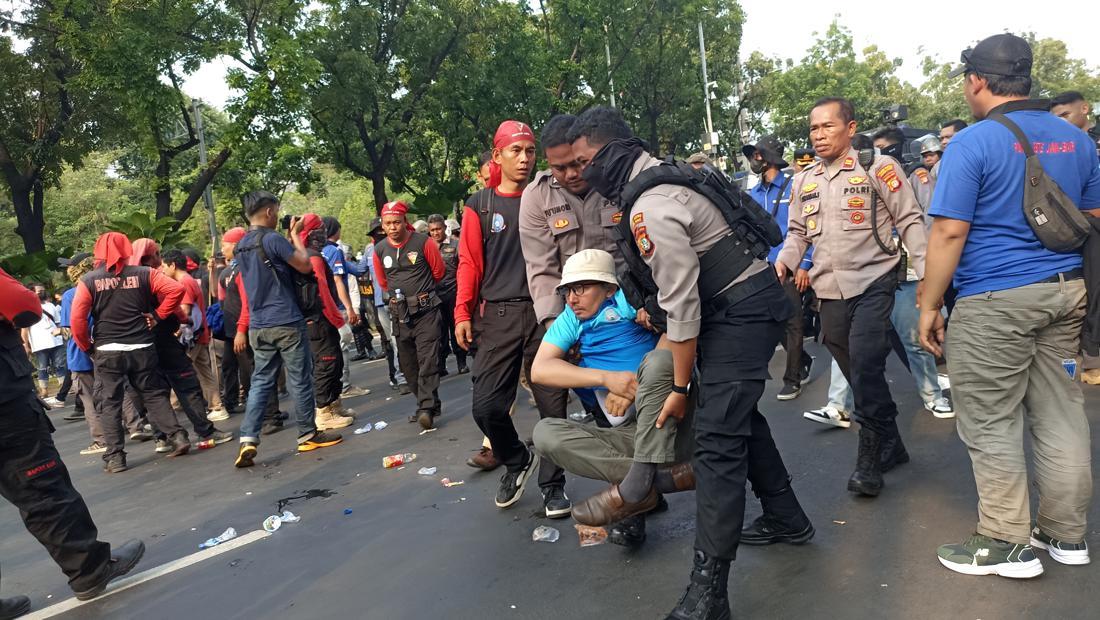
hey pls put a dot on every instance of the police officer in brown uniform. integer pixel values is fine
(410, 262)
(728, 312)
(560, 215)
(846, 208)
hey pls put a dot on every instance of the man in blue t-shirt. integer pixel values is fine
(276, 327)
(1016, 325)
(341, 267)
(631, 380)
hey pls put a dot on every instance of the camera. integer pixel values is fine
(895, 114)
(284, 223)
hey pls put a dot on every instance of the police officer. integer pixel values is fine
(734, 330)
(773, 192)
(803, 158)
(32, 476)
(409, 262)
(846, 210)
(560, 215)
(446, 288)
(923, 179)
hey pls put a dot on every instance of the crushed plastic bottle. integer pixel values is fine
(205, 444)
(427, 471)
(289, 517)
(545, 533)
(228, 534)
(365, 429)
(380, 425)
(273, 523)
(397, 460)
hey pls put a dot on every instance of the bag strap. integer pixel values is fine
(1021, 137)
(779, 198)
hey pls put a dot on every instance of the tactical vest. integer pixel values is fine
(15, 368)
(407, 269)
(119, 303)
(753, 233)
(448, 285)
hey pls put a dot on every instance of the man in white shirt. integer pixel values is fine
(44, 342)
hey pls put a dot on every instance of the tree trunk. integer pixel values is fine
(654, 145)
(163, 192)
(27, 199)
(194, 193)
(378, 186)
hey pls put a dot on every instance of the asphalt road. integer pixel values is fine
(411, 548)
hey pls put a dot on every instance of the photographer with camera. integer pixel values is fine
(276, 326)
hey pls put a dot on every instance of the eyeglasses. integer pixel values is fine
(578, 289)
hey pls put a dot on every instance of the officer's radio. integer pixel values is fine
(867, 160)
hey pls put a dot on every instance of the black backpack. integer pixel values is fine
(754, 233)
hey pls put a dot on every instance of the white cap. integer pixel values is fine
(589, 266)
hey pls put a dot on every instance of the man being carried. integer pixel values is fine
(630, 450)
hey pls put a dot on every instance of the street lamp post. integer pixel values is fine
(207, 196)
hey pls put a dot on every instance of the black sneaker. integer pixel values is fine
(512, 483)
(403, 389)
(768, 530)
(181, 445)
(115, 464)
(807, 367)
(270, 427)
(123, 560)
(443, 372)
(789, 392)
(556, 503)
(14, 607)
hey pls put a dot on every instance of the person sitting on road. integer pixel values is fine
(631, 379)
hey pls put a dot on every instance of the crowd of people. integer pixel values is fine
(656, 293)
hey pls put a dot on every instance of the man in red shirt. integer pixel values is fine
(123, 301)
(323, 322)
(493, 309)
(410, 262)
(200, 352)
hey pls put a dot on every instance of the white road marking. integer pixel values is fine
(128, 582)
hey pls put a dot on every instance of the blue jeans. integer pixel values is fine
(840, 393)
(270, 344)
(52, 359)
(905, 318)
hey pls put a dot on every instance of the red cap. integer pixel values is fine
(395, 207)
(310, 223)
(233, 235)
(508, 133)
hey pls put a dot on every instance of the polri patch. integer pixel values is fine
(644, 243)
(849, 163)
(889, 176)
(637, 218)
(922, 174)
(857, 180)
(618, 217)
(855, 202)
(809, 187)
(562, 223)
(856, 217)
(811, 224)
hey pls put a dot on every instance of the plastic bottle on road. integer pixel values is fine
(397, 460)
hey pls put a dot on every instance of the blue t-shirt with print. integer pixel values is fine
(272, 301)
(610, 340)
(334, 256)
(76, 360)
(981, 181)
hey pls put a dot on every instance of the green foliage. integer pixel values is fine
(40, 267)
(141, 224)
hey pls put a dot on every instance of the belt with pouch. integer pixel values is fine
(740, 291)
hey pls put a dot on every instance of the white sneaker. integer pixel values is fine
(829, 415)
(941, 407)
(94, 448)
(944, 381)
(217, 415)
(53, 402)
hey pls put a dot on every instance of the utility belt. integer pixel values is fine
(738, 292)
(403, 310)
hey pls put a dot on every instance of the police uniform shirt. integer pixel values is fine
(923, 184)
(555, 224)
(673, 226)
(831, 210)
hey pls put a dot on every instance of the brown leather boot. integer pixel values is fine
(682, 474)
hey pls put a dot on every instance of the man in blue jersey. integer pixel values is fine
(1015, 328)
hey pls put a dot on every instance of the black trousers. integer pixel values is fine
(34, 479)
(733, 440)
(418, 348)
(797, 358)
(66, 386)
(328, 361)
(364, 339)
(141, 369)
(507, 337)
(184, 381)
(857, 332)
(447, 342)
(231, 376)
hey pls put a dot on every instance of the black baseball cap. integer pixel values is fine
(1005, 55)
(375, 225)
(75, 260)
(770, 148)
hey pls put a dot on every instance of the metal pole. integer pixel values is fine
(607, 53)
(706, 83)
(207, 196)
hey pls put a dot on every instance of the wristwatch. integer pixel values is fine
(681, 390)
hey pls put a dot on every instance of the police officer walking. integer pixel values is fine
(33, 477)
(409, 265)
(846, 207)
(732, 312)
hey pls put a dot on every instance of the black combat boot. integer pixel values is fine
(893, 452)
(705, 598)
(783, 520)
(630, 532)
(867, 478)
